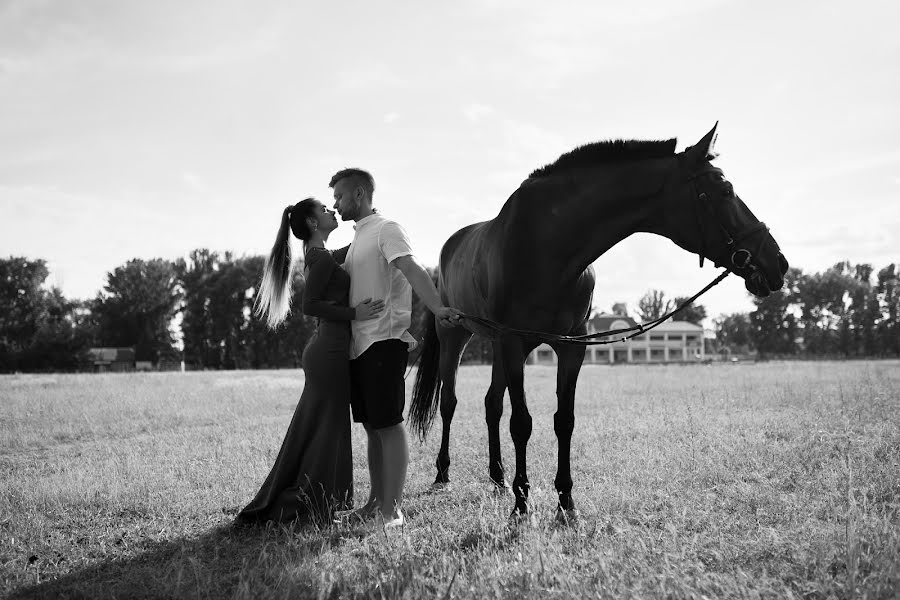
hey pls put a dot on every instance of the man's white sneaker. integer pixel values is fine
(396, 523)
(354, 515)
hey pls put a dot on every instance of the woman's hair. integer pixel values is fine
(273, 301)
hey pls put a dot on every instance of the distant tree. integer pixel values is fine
(692, 313)
(230, 289)
(284, 346)
(620, 308)
(653, 305)
(733, 332)
(220, 330)
(887, 291)
(137, 306)
(22, 306)
(194, 279)
(823, 301)
(59, 344)
(38, 328)
(773, 326)
(863, 316)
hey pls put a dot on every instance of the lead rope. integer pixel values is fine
(589, 339)
(586, 339)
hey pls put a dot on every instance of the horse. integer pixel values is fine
(529, 268)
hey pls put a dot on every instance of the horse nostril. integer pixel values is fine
(782, 263)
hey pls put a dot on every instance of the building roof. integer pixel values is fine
(678, 326)
(604, 322)
(111, 354)
(607, 322)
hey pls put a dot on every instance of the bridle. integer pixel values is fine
(731, 255)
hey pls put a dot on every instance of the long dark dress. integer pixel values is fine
(313, 474)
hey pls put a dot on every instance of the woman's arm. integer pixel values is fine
(321, 265)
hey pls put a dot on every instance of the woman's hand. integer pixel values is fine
(368, 309)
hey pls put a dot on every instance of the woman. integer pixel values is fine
(313, 474)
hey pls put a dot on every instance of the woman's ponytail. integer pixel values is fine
(274, 298)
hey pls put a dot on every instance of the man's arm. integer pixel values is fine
(423, 285)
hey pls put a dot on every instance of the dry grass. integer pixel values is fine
(769, 480)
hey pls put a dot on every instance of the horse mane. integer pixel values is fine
(612, 151)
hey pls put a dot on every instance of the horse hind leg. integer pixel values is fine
(493, 411)
(520, 421)
(570, 359)
(453, 342)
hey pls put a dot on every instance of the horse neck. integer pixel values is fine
(594, 212)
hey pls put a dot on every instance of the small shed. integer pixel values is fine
(116, 360)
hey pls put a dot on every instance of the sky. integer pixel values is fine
(134, 129)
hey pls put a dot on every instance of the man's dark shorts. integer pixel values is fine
(377, 387)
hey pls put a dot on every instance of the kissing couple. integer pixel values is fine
(362, 297)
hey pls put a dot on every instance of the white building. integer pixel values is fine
(672, 341)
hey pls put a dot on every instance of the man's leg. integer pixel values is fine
(395, 452)
(376, 462)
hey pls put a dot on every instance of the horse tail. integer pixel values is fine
(427, 389)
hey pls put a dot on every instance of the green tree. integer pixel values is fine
(230, 289)
(733, 332)
(692, 313)
(22, 306)
(137, 307)
(862, 319)
(219, 328)
(284, 346)
(823, 300)
(39, 329)
(773, 325)
(653, 305)
(194, 277)
(887, 291)
(60, 343)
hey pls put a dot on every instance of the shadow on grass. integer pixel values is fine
(215, 564)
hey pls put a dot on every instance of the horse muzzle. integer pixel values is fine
(755, 279)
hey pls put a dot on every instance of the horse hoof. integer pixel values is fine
(568, 517)
(518, 517)
(440, 487)
(500, 489)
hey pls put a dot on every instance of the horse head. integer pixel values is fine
(727, 232)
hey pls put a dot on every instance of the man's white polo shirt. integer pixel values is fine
(376, 243)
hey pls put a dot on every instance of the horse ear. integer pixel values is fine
(703, 149)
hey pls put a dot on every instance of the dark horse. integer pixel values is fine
(530, 268)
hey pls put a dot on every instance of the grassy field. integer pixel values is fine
(769, 480)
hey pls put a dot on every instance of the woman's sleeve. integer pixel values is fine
(340, 255)
(321, 266)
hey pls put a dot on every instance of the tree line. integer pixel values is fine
(199, 310)
(845, 311)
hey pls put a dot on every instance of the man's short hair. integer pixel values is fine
(358, 177)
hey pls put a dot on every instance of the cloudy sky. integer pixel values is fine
(147, 129)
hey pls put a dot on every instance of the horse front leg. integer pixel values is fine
(493, 411)
(519, 421)
(453, 342)
(570, 360)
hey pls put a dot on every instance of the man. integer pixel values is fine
(382, 266)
